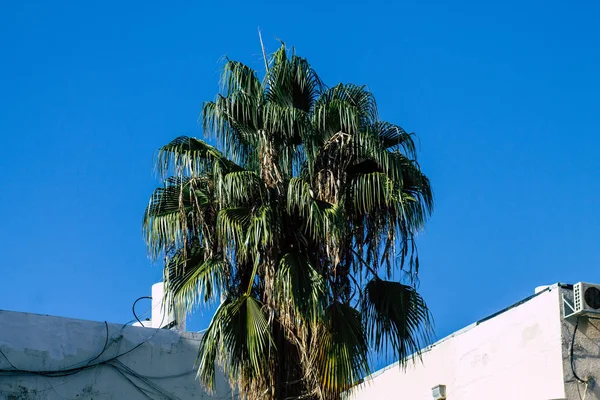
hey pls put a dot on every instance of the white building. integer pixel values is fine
(521, 352)
(54, 358)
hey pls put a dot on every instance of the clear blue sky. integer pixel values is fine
(504, 98)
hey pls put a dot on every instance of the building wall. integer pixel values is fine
(586, 356)
(520, 353)
(516, 354)
(36, 342)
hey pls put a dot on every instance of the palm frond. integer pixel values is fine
(234, 121)
(321, 219)
(300, 196)
(240, 188)
(395, 137)
(238, 77)
(292, 81)
(210, 349)
(299, 285)
(190, 156)
(260, 231)
(232, 225)
(366, 145)
(300, 199)
(192, 278)
(370, 191)
(396, 315)
(238, 338)
(346, 108)
(287, 124)
(415, 182)
(342, 350)
(164, 223)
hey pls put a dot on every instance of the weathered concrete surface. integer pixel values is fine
(586, 356)
(516, 354)
(46, 343)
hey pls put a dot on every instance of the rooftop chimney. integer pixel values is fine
(160, 317)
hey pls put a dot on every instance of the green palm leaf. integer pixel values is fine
(241, 188)
(260, 231)
(232, 225)
(167, 213)
(320, 218)
(292, 81)
(237, 338)
(345, 108)
(395, 137)
(191, 278)
(396, 315)
(342, 350)
(300, 286)
(237, 77)
(371, 191)
(185, 155)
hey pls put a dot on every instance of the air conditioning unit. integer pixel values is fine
(586, 299)
(439, 392)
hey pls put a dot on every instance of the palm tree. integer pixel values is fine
(301, 223)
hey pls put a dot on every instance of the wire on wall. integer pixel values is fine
(572, 359)
(113, 362)
(133, 308)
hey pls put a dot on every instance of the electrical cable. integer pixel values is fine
(572, 358)
(139, 344)
(6, 358)
(133, 308)
(191, 371)
(53, 388)
(70, 371)
(103, 348)
(141, 315)
(149, 383)
(120, 367)
(142, 391)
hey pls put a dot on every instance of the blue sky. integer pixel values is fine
(504, 98)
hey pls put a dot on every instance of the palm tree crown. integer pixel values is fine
(297, 223)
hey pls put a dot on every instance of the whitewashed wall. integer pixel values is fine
(514, 355)
(37, 342)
